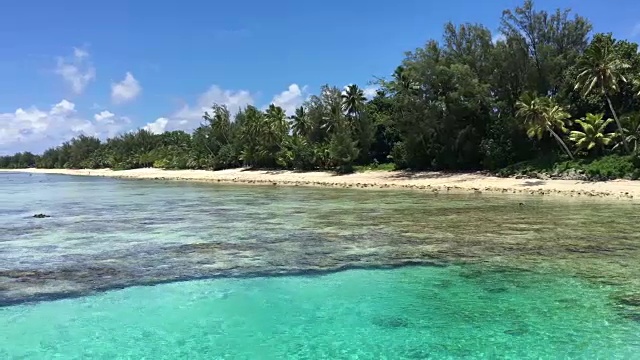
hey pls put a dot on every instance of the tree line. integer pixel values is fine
(547, 89)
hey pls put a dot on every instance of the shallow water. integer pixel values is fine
(410, 313)
(552, 278)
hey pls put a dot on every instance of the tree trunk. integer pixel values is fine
(620, 130)
(560, 142)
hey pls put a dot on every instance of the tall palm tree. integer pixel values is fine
(301, 124)
(251, 131)
(220, 123)
(353, 100)
(275, 125)
(593, 134)
(600, 71)
(333, 116)
(542, 115)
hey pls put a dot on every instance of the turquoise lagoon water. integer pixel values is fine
(410, 313)
(544, 287)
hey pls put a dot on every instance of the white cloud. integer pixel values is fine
(498, 37)
(233, 99)
(370, 91)
(35, 130)
(126, 90)
(80, 53)
(104, 116)
(635, 31)
(290, 99)
(190, 116)
(63, 107)
(77, 71)
(158, 126)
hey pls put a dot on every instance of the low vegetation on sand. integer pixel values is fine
(546, 95)
(599, 169)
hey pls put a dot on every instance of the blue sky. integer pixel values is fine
(103, 67)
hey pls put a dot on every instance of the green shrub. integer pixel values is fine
(227, 157)
(375, 167)
(545, 164)
(610, 167)
(343, 152)
(161, 164)
(605, 168)
(399, 155)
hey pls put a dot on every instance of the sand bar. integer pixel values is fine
(423, 181)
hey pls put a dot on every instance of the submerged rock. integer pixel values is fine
(418, 354)
(391, 322)
(41, 216)
(499, 260)
(628, 306)
(631, 315)
(632, 300)
(496, 289)
(517, 331)
(304, 253)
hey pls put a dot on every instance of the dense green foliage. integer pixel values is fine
(603, 168)
(466, 102)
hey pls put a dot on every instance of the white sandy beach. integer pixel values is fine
(423, 181)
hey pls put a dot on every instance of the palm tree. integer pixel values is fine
(593, 134)
(632, 132)
(275, 126)
(542, 115)
(332, 117)
(251, 127)
(402, 81)
(278, 129)
(353, 100)
(599, 70)
(301, 125)
(636, 86)
(220, 122)
(251, 135)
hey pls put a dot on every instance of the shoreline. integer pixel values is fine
(436, 182)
